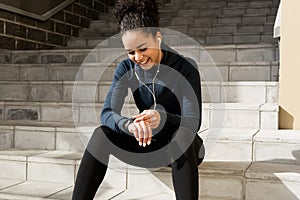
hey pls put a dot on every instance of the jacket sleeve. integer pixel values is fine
(111, 112)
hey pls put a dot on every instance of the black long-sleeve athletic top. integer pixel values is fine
(177, 92)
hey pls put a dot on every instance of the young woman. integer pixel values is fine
(166, 90)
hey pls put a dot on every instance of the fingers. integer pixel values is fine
(144, 117)
(133, 129)
(145, 133)
(139, 115)
(143, 125)
(150, 116)
(142, 132)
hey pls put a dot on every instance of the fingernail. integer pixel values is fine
(140, 143)
(144, 144)
(149, 142)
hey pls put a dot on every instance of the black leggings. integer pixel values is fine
(104, 142)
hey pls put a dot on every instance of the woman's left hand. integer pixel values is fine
(150, 116)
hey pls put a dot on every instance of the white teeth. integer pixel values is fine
(142, 63)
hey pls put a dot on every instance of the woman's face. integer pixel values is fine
(142, 48)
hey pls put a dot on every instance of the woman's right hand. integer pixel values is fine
(142, 132)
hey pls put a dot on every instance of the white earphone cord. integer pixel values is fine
(153, 82)
(153, 87)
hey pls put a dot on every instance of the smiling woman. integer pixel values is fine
(166, 90)
(143, 48)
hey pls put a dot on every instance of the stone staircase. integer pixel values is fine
(44, 125)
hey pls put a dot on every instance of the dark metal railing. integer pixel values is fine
(38, 9)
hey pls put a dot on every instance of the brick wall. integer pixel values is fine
(18, 32)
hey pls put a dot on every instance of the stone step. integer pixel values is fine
(107, 54)
(196, 34)
(195, 13)
(237, 38)
(55, 72)
(230, 166)
(264, 10)
(68, 136)
(190, 30)
(278, 181)
(95, 24)
(66, 91)
(96, 33)
(228, 28)
(286, 144)
(224, 11)
(213, 66)
(214, 115)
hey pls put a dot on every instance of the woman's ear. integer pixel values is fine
(159, 38)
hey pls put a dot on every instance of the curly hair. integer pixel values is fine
(136, 14)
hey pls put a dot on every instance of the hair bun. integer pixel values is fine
(133, 14)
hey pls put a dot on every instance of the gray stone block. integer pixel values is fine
(69, 141)
(250, 29)
(77, 43)
(58, 113)
(34, 138)
(80, 92)
(187, 13)
(97, 73)
(268, 38)
(45, 92)
(92, 43)
(28, 73)
(255, 54)
(218, 55)
(250, 73)
(210, 93)
(63, 73)
(237, 4)
(219, 39)
(261, 3)
(172, 13)
(17, 91)
(199, 30)
(217, 4)
(193, 53)
(214, 73)
(220, 187)
(182, 21)
(53, 59)
(234, 11)
(224, 29)
(89, 114)
(246, 38)
(22, 114)
(84, 56)
(205, 20)
(253, 19)
(9, 73)
(257, 10)
(6, 137)
(229, 20)
(5, 58)
(23, 58)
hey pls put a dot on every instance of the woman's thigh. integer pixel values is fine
(159, 153)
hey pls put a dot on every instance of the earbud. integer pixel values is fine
(159, 41)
